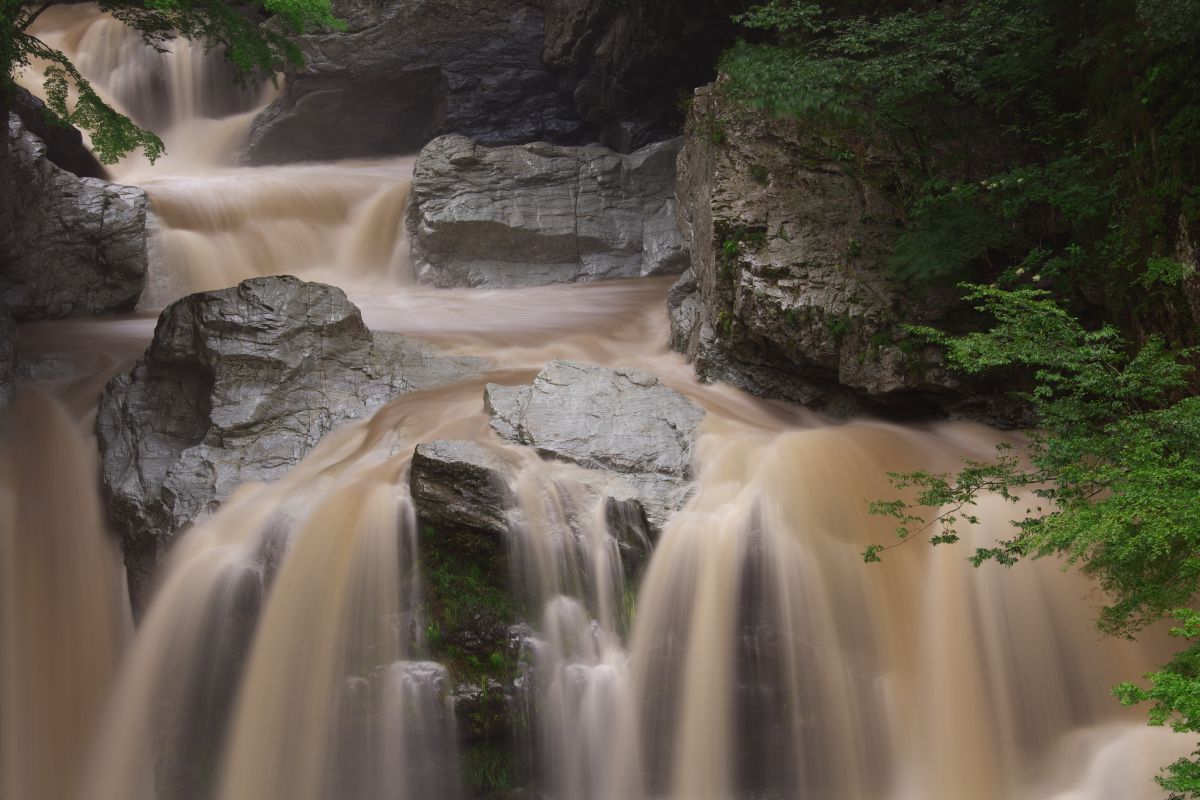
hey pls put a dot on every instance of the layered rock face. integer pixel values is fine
(534, 214)
(238, 385)
(8, 356)
(68, 245)
(408, 70)
(786, 296)
(628, 62)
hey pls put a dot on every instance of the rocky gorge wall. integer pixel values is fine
(787, 294)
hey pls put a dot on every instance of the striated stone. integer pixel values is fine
(461, 484)
(239, 385)
(535, 214)
(787, 294)
(405, 71)
(68, 245)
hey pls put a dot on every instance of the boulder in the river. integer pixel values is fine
(535, 214)
(618, 421)
(238, 385)
(403, 72)
(8, 356)
(787, 295)
(68, 245)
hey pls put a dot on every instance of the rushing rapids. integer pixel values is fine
(283, 653)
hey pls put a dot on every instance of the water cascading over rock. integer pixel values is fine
(254, 377)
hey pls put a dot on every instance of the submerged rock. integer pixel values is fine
(536, 214)
(238, 385)
(405, 71)
(8, 356)
(68, 245)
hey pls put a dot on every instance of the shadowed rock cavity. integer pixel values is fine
(403, 72)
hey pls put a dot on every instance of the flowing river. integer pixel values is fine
(763, 658)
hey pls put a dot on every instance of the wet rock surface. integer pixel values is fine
(405, 71)
(238, 385)
(535, 214)
(787, 295)
(635, 434)
(68, 245)
(8, 356)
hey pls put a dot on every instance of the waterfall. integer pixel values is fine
(752, 656)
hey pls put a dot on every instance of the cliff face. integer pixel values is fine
(406, 71)
(497, 71)
(787, 296)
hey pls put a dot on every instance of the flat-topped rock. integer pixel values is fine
(535, 214)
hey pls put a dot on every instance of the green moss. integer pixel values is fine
(838, 325)
(466, 591)
(488, 767)
(760, 174)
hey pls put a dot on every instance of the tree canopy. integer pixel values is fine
(237, 30)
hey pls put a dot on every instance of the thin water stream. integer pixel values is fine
(282, 656)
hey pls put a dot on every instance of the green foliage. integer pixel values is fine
(488, 767)
(255, 50)
(1022, 137)
(1110, 481)
(1175, 693)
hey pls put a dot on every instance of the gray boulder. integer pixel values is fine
(787, 295)
(238, 385)
(461, 484)
(8, 356)
(405, 71)
(535, 214)
(615, 421)
(68, 245)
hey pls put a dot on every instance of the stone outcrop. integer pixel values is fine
(616, 422)
(534, 214)
(68, 245)
(238, 385)
(627, 63)
(787, 294)
(405, 71)
(8, 356)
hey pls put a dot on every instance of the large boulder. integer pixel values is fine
(404, 71)
(68, 245)
(534, 214)
(238, 385)
(787, 295)
(8, 356)
(627, 63)
(621, 422)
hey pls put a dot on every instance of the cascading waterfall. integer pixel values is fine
(754, 657)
